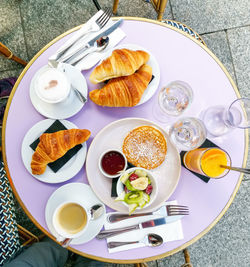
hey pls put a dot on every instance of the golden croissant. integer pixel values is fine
(122, 62)
(124, 91)
(53, 146)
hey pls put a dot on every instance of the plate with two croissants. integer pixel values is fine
(128, 76)
(54, 151)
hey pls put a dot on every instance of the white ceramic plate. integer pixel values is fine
(70, 192)
(71, 105)
(69, 170)
(153, 86)
(167, 174)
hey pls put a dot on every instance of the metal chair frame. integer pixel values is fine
(159, 6)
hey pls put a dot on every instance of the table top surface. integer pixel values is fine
(180, 57)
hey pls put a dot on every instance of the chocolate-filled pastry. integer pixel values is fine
(122, 62)
(124, 91)
(53, 146)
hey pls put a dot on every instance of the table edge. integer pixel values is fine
(160, 256)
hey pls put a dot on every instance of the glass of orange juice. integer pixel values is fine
(207, 161)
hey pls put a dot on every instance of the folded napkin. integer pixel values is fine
(92, 59)
(169, 232)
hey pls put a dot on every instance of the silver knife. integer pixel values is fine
(90, 43)
(147, 224)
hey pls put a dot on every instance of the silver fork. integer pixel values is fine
(97, 25)
(172, 210)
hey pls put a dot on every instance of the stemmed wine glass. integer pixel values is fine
(173, 99)
(221, 120)
(188, 133)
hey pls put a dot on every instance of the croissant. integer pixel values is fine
(124, 91)
(122, 62)
(53, 146)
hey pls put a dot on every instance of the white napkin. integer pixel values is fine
(89, 61)
(169, 232)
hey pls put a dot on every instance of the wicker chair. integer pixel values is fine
(12, 235)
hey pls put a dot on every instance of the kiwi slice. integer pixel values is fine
(133, 197)
(129, 186)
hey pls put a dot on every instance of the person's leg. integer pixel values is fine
(43, 254)
(85, 262)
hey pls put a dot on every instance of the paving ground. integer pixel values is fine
(27, 25)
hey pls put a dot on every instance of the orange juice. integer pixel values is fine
(207, 161)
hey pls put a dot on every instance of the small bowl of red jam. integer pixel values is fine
(112, 163)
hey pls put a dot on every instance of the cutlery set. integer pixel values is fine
(168, 214)
(96, 44)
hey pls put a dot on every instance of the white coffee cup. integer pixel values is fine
(70, 220)
(52, 86)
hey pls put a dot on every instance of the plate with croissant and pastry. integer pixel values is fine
(54, 151)
(144, 144)
(128, 76)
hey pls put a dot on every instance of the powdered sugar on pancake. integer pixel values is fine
(145, 147)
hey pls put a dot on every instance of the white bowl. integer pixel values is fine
(100, 165)
(120, 186)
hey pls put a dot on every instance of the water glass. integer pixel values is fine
(220, 120)
(173, 99)
(188, 133)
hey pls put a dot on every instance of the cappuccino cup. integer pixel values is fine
(52, 86)
(70, 220)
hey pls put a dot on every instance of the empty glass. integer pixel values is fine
(173, 99)
(188, 133)
(220, 120)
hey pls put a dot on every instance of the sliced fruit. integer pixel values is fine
(133, 177)
(149, 189)
(133, 197)
(140, 183)
(146, 197)
(126, 189)
(124, 178)
(141, 173)
(129, 186)
(121, 196)
(132, 208)
(142, 203)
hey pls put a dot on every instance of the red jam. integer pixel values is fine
(112, 162)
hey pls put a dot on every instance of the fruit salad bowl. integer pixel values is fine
(136, 188)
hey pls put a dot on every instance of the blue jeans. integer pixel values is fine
(47, 254)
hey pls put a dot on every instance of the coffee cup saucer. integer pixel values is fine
(71, 105)
(75, 192)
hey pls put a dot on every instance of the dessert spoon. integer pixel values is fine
(98, 46)
(152, 240)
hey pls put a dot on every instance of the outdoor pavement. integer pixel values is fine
(27, 25)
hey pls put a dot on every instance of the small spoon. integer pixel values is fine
(99, 46)
(95, 212)
(243, 170)
(80, 96)
(152, 240)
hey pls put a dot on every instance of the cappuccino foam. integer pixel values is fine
(52, 86)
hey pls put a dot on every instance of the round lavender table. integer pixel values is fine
(180, 58)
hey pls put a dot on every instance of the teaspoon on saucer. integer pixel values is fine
(152, 240)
